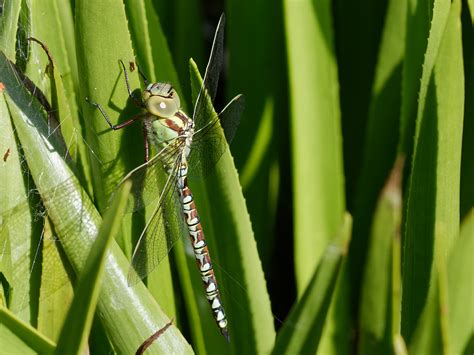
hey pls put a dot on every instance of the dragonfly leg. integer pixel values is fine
(117, 126)
(146, 145)
(136, 101)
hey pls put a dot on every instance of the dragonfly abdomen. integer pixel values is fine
(201, 252)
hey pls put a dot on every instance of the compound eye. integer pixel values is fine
(162, 107)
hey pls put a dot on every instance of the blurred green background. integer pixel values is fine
(340, 221)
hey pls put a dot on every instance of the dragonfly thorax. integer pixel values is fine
(161, 100)
(177, 129)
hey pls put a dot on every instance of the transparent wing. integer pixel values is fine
(163, 229)
(146, 177)
(209, 143)
(229, 117)
(202, 111)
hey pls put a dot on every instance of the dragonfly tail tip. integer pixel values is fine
(226, 335)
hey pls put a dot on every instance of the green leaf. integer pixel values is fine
(460, 281)
(428, 337)
(56, 284)
(232, 244)
(78, 323)
(303, 328)
(471, 8)
(102, 39)
(319, 206)
(8, 27)
(315, 130)
(193, 296)
(419, 15)
(376, 298)
(63, 111)
(66, 25)
(18, 228)
(49, 21)
(150, 43)
(382, 134)
(51, 25)
(431, 333)
(432, 213)
(18, 337)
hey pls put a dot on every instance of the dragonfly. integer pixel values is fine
(183, 143)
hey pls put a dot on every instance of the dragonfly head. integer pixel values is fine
(161, 100)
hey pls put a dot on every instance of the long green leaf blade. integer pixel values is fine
(78, 323)
(382, 134)
(8, 27)
(376, 298)
(419, 15)
(150, 43)
(18, 337)
(315, 129)
(233, 239)
(319, 206)
(56, 283)
(102, 39)
(18, 229)
(432, 218)
(460, 289)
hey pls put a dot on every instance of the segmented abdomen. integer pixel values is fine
(201, 252)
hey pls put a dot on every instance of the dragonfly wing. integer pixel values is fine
(209, 143)
(146, 178)
(159, 234)
(229, 117)
(201, 114)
